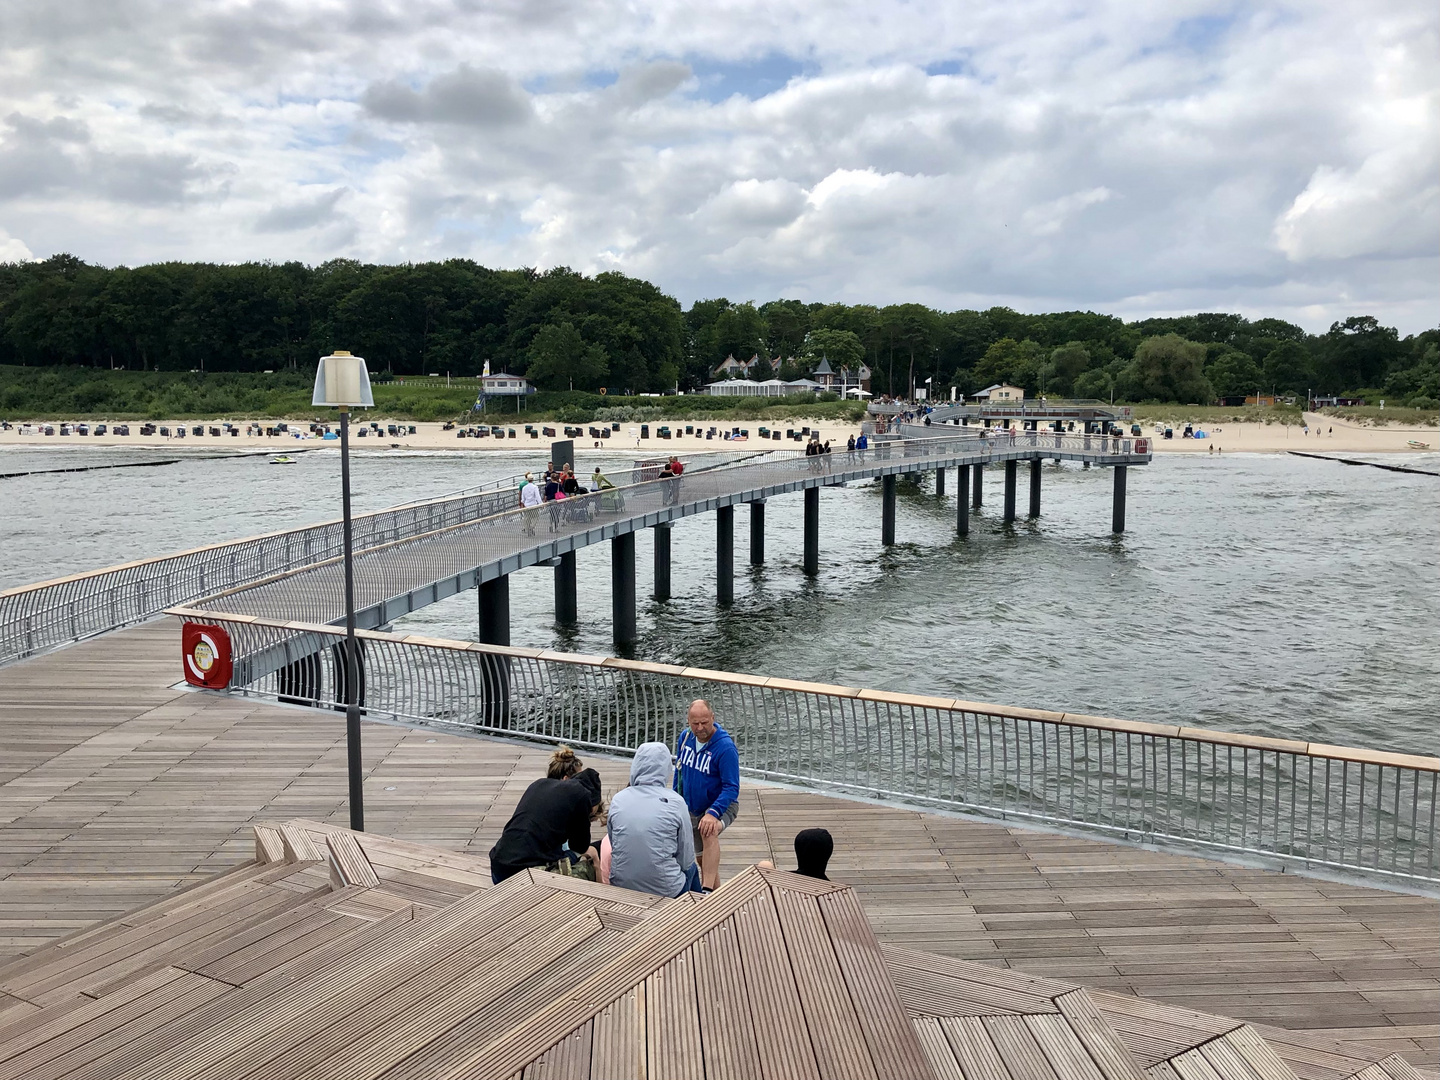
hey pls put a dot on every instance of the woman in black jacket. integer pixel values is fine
(551, 814)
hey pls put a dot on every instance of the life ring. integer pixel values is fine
(208, 659)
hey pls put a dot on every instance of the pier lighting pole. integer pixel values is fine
(342, 382)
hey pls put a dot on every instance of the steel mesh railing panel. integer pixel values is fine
(1375, 816)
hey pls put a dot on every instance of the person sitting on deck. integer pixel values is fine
(651, 849)
(813, 848)
(551, 814)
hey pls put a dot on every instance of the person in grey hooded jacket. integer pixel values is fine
(651, 846)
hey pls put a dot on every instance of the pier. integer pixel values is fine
(1197, 900)
(121, 790)
(396, 578)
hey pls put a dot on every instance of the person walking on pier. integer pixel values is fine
(708, 777)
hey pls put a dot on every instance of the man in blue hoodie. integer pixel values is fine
(708, 776)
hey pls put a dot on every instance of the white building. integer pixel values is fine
(1000, 394)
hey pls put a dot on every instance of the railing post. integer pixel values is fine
(622, 589)
(725, 555)
(661, 533)
(812, 532)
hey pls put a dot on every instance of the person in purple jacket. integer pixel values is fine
(707, 775)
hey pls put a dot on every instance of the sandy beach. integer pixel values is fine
(432, 436)
(1326, 434)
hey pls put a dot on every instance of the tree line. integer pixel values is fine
(567, 330)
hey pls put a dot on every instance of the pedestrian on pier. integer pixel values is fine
(708, 777)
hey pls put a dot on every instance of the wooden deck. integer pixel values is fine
(116, 790)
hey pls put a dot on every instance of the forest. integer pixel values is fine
(569, 331)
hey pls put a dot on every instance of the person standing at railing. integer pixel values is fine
(709, 778)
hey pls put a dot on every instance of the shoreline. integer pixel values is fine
(1326, 434)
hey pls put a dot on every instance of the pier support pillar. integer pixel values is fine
(661, 533)
(962, 505)
(495, 611)
(622, 589)
(1117, 513)
(1034, 487)
(812, 531)
(940, 482)
(567, 604)
(757, 533)
(887, 509)
(1011, 468)
(495, 670)
(977, 496)
(725, 555)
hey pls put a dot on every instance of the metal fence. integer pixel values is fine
(1298, 802)
(38, 617)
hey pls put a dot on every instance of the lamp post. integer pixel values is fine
(342, 382)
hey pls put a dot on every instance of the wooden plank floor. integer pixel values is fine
(115, 790)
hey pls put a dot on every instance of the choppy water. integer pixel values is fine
(1259, 593)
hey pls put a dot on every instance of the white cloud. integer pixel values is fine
(13, 250)
(1276, 158)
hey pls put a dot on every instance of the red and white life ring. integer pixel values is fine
(208, 660)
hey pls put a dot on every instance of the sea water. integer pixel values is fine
(1266, 594)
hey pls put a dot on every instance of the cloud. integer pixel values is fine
(1272, 158)
(13, 250)
(1387, 207)
(465, 96)
(302, 214)
(58, 155)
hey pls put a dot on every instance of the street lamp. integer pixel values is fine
(342, 382)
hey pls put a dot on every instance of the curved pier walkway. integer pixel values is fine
(394, 579)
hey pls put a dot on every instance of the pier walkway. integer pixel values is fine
(116, 790)
(394, 579)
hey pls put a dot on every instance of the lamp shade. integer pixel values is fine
(341, 381)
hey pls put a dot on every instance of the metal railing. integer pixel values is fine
(41, 616)
(1302, 803)
(394, 579)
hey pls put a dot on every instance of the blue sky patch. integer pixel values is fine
(752, 79)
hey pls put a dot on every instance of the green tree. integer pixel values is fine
(1169, 368)
(1067, 363)
(1011, 361)
(841, 347)
(1287, 368)
(1233, 374)
(560, 359)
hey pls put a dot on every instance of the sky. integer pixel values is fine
(1273, 159)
